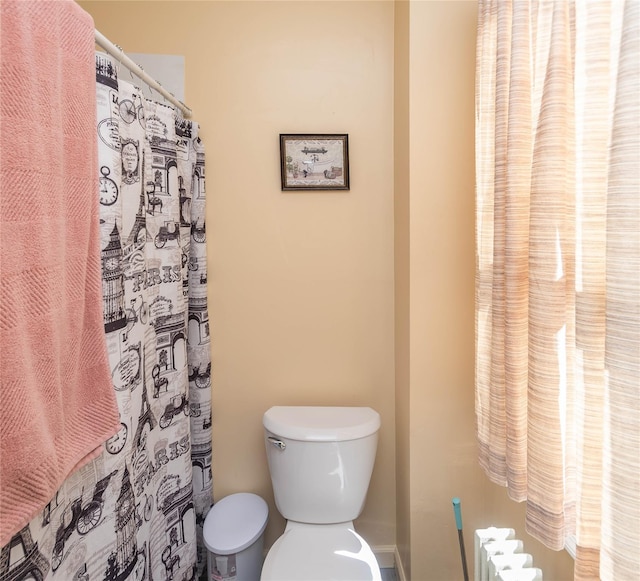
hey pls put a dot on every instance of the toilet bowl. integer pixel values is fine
(320, 553)
(320, 461)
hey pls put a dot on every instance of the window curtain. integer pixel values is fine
(558, 271)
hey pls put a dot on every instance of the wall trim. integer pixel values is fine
(399, 567)
(388, 557)
(385, 555)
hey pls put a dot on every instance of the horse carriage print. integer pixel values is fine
(79, 517)
(170, 231)
(202, 379)
(178, 404)
(199, 233)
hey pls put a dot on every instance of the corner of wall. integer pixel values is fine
(401, 282)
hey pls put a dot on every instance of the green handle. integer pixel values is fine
(458, 512)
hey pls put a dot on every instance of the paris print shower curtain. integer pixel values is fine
(136, 511)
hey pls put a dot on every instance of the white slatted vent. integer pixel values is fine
(499, 556)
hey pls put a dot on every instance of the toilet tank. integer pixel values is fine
(320, 460)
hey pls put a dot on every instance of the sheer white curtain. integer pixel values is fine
(558, 270)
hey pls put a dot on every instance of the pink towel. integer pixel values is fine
(57, 404)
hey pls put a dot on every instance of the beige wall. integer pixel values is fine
(302, 293)
(363, 297)
(301, 284)
(441, 291)
(402, 175)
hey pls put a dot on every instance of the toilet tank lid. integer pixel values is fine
(321, 424)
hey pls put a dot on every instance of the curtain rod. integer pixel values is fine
(116, 52)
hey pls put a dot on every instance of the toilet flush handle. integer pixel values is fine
(278, 443)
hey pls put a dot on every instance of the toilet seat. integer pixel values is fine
(320, 553)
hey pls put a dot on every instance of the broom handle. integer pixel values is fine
(458, 514)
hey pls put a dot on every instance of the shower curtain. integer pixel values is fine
(136, 512)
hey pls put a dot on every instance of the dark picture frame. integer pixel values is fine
(313, 162)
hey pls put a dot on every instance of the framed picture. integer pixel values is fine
(314, 162)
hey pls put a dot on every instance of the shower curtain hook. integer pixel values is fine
(149, 87)
(164, 99)
(119, 57)
(121, 53)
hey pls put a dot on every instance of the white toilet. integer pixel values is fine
(320, 460)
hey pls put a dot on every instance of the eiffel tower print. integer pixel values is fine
(146, 415)
(139, 224)
(32, 565)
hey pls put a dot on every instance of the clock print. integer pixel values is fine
(127, 111)
(108, 188)
(111, 263)
(124, 506)
(116, 442)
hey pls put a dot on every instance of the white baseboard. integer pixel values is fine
(385, 555)
(399, 568)
(389, 558)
